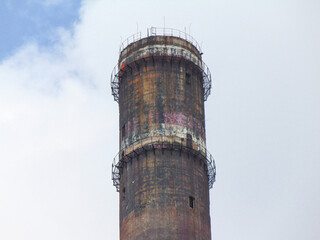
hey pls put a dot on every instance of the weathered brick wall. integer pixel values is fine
(161, 94)
(154, 197)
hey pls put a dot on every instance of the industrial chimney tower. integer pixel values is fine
(163, 170)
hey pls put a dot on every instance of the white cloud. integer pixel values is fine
(57, 124)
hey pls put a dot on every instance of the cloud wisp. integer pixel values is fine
(56, 122)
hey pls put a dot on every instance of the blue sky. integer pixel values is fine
(59, 123)
(33, 20)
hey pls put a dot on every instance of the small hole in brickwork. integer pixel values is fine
(191, 201)
(189, 141)
(188, 78)
(123, 131)
(123, 193)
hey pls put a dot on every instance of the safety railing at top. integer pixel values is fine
(131, 39)
(156, 31)
(161, 142)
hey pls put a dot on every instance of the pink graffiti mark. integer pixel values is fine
(175, 118)
(169, 118)
(180, 119)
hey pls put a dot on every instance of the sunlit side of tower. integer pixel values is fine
(163, 171)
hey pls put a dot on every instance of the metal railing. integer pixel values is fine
(157, 31)
(131, 39)
(161, 142)
(115, 83)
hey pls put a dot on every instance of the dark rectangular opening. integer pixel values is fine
(189, 141)
(191, 201)
(123, 193)
(123, 131)
(188, 78)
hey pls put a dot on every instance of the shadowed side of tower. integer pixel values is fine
(163, 171)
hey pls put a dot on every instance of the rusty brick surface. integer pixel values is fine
(154, 197)
(161, 95)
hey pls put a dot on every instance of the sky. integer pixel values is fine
(59, 123)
